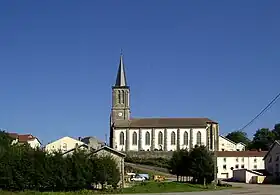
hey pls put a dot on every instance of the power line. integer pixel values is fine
(271, 103)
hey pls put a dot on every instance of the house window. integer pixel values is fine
(225, 167)
(236, 166)
(160, 138)
(255, 166)
(186, 138)
(134, 138)
(242, 166)
(237, 150)
(198, 138)
(148, 138)
(270, 159)
(121, 138)
(236, 159)
(242, 159)
(223, 144)
(173, 138)
(223, 149)
(64, 146)
(277, 158)
(225, 160)
(255, 160)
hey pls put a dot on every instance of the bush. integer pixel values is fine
(23, 168)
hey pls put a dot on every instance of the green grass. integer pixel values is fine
(145, 187)
(161, 187)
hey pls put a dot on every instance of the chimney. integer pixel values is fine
(260, 150)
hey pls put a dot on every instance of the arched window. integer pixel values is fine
(198, 138)
(123, 96)
(173, 138)
(119, 97)
(121, 138)
(134, 138)
(186, 137)
(160, 138)
(147, 138)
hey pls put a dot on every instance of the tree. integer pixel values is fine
(263, 138)
(276, 131)
(202, 165)
(238, 136)
(179, 163)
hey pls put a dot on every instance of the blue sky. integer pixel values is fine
(58, 60)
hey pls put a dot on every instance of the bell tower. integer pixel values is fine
(120, 96)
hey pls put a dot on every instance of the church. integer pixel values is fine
(155, 134)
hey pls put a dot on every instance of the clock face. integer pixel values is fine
(120, 114)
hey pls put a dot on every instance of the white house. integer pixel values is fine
(271, 160)
(63, 144)
(33, 141)
(227, 161)
(228, 145)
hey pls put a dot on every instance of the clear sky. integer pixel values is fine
(58, 60)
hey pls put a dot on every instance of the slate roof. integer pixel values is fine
(164, 122)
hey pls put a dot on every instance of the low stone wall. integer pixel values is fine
(150, 154)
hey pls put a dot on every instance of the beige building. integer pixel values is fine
(31, 140)
(227, 161)
(228, 145)
(149, 134)
(117, 156)
(272, 161)
(63, 144)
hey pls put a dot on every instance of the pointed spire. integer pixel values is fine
(121, 78)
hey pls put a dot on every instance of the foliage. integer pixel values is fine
(263, 138)
(198, 163)
(23, 168)
(239, 136)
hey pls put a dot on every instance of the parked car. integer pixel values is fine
(138, 178)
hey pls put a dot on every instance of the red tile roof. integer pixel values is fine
(22, 138)
(241, 153)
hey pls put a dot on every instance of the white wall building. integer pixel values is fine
(228, 145)
(33, 141)
(227, 161)
(272, 160)
(63, 144)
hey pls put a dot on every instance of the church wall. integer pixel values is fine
(116, 139)
(203, 136)
(133, 147)
(169, 146)
(143, 141)
(182, 145)
(157, 144)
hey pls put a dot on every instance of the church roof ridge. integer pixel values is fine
(164, 122)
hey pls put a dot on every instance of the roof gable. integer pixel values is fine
(109, 150)
(275, 143)
(66, 138)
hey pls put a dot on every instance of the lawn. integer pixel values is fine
(161, 187)
(145, 187)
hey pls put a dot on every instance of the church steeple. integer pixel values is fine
(121, 78)
(120, 96)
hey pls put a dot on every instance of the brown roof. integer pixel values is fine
(164, 122)
(241, 153)
(22, 138)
